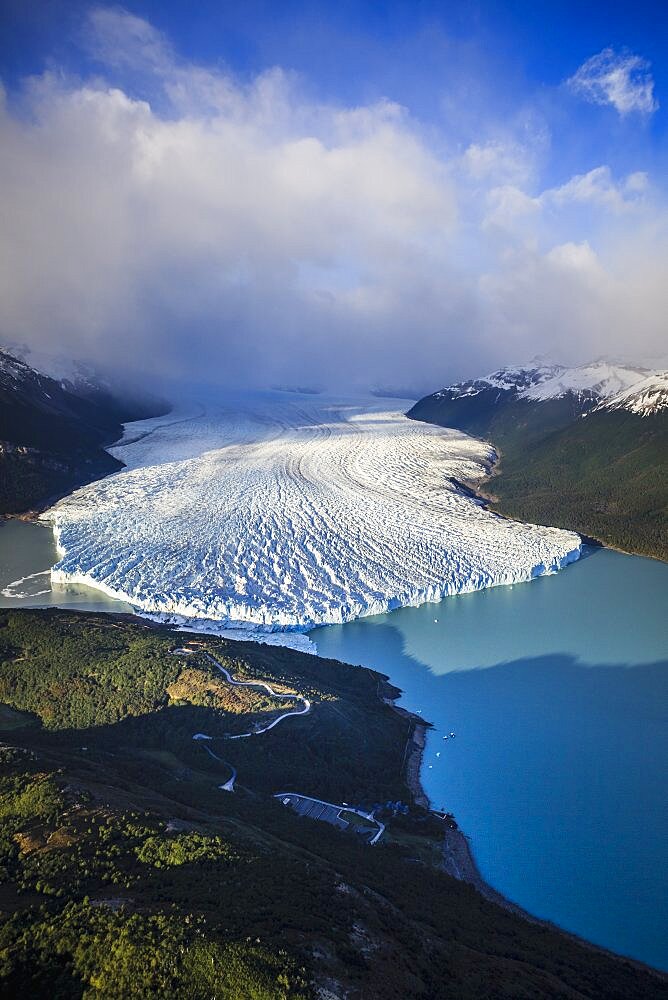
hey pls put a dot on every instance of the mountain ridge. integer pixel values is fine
(53, 432)
(583, 448)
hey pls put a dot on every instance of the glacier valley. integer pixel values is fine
(271, 513)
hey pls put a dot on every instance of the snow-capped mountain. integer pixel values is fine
(647, 397)
(595, 381)
(74, 376)
(40, 412)
(540, 396)
(583, 447)
(14, 372)
(589, 383)
(513, 378)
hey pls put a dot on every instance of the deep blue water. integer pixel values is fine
(557, 691)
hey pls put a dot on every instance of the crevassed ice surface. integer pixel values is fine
(283, 511)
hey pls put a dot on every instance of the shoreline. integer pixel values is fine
(413, 757)
(458, 860)
(491, 502)
(388, 693)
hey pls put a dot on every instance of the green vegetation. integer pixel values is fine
(96, 681)
(182, 849)
(204, 686)
(29, 477)
(80, 682)
(91, 951)
(11, 719)
(604, 475)
(126, 872)
(357, 821)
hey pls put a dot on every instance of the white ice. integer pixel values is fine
(13, 590)
(644, 398)
(278, 512)
(601, 378)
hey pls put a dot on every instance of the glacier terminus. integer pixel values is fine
(280, 511)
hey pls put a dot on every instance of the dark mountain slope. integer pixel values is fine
(583, 458)
(605, 475)
(497, 415)
(52, 438)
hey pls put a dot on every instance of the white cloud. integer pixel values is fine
(512, 211)
(599, 188)
(242, 230)
(509, 208)
(129, 230)
(501, 160)
(118, 38)
(622, 80)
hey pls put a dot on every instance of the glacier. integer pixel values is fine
(271, 513)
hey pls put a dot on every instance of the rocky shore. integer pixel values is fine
(413, 763)
(458, 860)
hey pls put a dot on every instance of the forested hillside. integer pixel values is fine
(125, 870)
(605, 476)
(572, 459)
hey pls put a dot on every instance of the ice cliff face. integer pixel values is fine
(282, 512)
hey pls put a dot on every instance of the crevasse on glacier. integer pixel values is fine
(281, 512)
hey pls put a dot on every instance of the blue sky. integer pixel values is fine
(522, 150)
(354, 51)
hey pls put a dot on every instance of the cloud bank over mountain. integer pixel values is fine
(173, 219)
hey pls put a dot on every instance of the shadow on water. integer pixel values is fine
(557, 771)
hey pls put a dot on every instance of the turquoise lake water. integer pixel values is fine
(27, 552)
(557, 691)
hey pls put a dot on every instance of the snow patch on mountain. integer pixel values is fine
(512, 378)
(281, 512)
(599, 380)
(73, 376)
(647, 397)
(539, 382)
(14, 371)
(17, 376)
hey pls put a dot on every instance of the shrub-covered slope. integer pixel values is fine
(605, 476)
(125, 871)
(576, 460)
